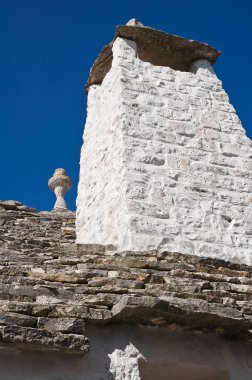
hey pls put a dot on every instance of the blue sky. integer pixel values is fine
(47, 49)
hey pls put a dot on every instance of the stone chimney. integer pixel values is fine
(165, 163)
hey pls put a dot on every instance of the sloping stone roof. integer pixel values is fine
(50, 287)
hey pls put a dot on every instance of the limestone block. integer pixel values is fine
(40, 338)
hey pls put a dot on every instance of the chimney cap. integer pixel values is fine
(154, 46)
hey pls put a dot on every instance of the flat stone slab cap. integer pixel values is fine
(154, 46)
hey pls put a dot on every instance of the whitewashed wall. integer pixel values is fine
(165, 163)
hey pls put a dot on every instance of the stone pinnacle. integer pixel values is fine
(60, 183)
(134, 22)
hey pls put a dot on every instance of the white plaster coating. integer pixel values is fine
(165, 163)
(124, 364)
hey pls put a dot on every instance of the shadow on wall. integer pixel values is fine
(159, 370)
(168, 355)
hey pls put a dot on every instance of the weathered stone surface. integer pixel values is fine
(171, 165)
(65, 325)
(14, 318)
(49, 284)
(41, 338)
(15, 205)
(155, 46)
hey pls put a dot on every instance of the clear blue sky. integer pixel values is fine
(47, 49)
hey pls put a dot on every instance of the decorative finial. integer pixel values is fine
(134, 22)
(60, 183)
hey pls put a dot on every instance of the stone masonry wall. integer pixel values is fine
(50, 287)
(165, 163)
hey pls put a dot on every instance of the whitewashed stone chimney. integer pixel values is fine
(165, 163)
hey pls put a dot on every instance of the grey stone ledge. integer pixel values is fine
(156, 47)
